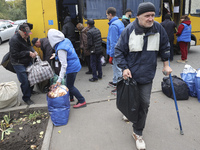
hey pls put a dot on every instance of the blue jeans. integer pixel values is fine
(70, 79)
(23, 79)
(117, 72)
(95, 62)
(144, 97)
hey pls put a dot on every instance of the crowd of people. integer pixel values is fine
(132, 47)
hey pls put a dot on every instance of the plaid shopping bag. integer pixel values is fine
(39, 71)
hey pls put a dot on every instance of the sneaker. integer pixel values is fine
(140, 144)
(180, 61)
(93, 80)
(112, 84)
(29, 102)
(114, 92)
(125, 119)
(79, 105)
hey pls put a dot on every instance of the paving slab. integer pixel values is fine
(99, 126)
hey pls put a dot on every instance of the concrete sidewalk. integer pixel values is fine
(99, 126)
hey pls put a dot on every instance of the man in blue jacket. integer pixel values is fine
(115, 29)
(136, 54)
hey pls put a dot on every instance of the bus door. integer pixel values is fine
(42, 14)
(68, 8)
(172, 7)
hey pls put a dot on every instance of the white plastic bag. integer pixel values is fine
(188, 69)
(188, 76)
(8, 94)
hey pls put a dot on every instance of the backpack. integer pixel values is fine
(180, 87)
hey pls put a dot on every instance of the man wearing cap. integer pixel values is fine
(21, 54)
(94, 43)
(126, 17)
(115, 29)
(45, 47)
(136, 54)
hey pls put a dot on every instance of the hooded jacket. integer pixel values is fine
(59, 42)
(184, 31)
(125, 20)
(115, 29)
(137, 50)
(20, 50)
(68, 29)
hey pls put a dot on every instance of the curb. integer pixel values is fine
(14, 108)
(47, 137)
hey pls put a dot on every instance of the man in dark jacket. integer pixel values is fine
(136, 54)
(68, 30)
(47, 50)
(126, 17)
(45, 47)
(21, 54)
(94, 43)
(170, 29)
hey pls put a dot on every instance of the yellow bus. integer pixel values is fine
(47, 14)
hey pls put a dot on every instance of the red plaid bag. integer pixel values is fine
(39, 71)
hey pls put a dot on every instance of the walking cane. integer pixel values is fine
(176, 105)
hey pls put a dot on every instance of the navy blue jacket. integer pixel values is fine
(137, 50)
(169, 28)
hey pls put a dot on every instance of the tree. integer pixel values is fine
(13, 10)
(3, 9)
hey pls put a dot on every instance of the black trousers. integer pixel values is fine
(95, 61)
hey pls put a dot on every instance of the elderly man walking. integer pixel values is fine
(136, 54)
